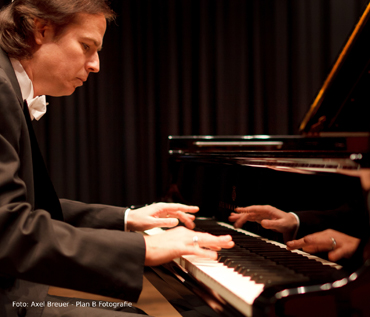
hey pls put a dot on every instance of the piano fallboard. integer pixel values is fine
(349, 149)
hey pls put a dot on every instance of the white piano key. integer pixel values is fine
(281, 245)
(238, 290)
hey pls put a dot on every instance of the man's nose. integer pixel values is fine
(93, 64)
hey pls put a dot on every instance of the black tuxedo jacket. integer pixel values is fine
(47, 241)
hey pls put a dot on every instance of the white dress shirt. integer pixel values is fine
(37, 105)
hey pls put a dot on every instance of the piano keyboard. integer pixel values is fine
(242, 273)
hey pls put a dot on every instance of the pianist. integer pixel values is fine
(49, 47)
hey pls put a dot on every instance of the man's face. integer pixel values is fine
(62, 64)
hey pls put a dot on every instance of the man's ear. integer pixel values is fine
(43, 31)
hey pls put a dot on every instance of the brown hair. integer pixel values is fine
(17, 20)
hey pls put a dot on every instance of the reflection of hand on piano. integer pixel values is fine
(164, 247)
(338, 244)
(269, 217)
(161, 215)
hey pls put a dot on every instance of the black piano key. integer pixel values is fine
(265, 262)
(246, 268)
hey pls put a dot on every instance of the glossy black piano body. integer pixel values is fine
(211, 173)
(221, 173)
(323, 168)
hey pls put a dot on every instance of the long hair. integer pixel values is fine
(17, 21)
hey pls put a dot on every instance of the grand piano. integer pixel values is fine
(322, 169)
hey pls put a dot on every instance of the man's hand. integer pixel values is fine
(161, 215)
(269, 217)
(164, 247)
(343, 246)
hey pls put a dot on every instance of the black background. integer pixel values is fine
(184, 67)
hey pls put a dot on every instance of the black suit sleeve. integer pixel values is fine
(35, 247)
(80, 214)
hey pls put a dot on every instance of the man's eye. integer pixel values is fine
(85, 46)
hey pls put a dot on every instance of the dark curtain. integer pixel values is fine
(188, 67)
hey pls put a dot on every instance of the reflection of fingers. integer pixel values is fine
(333, 243)
(314, 247)
(233, 219)
(233, 216)
(310, 249)
(241, 220)
(250, 217)
(343, 251)
(255, 209)
(276, 225)
(321, 243)
(335, 255)
(295, 244)
(250, 209)
(268, 224)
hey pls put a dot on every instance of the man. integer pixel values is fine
(49, 47)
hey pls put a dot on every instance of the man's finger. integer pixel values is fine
(172, 207)
(186, 219)
(208, 240)
(180, 215)
(202, 252)
(165, 222)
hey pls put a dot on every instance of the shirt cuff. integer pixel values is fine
(127, 211)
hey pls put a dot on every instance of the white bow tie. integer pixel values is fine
(37, 107)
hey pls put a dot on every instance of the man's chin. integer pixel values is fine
(65, 93)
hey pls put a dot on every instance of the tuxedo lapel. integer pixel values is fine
(44, 192)
(8, 68)
(45, 195)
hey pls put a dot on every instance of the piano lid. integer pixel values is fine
(343, 102)
(337, 124)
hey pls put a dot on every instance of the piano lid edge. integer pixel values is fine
(304, 127)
